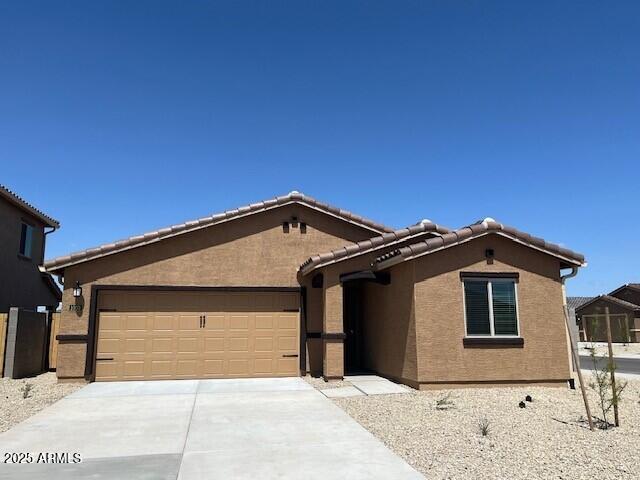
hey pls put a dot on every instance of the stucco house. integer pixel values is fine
(624, 315)
(23, 233)
(290, 286)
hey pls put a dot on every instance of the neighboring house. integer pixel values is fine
(575, 302)
(23, 233)
(246, 293)
(624, 315)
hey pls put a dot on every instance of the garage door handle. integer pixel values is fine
(104, 358)
(290, 356)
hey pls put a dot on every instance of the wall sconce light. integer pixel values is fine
(77, 290)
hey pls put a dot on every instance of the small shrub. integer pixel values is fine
(26, 390)
(445, 402)
(601, 384)
(483, 426)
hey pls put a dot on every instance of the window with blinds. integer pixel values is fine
(490, 307)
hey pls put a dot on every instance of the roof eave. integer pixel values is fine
(307, 269)
(400, 257)
(57, 265)
(28, 208)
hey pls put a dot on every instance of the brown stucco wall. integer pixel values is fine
(389, 329)
(21, 283)
(442, 358)
(245, 252)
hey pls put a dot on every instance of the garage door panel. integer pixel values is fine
(162, 345)
(133, 369)
(163, 322)
(264, 366)
(238, 322)
(288, 344)
(108, 370)
(188, 345)
(188, 368)
(264, 322)
(238, 344)
(215, 321)
(288, 366)
(189, 322)
(214, 345)
(239, 367)
(109, 345)
(134, 345)
(137, 322)
(243, 335)
(263, 345)
(288, 322)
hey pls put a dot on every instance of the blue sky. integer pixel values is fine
(121, 117)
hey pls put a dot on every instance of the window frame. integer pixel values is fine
(490, 281)
(29, 228)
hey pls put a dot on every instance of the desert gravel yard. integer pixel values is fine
(43, 391)
(547, 439)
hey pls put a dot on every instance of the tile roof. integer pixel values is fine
(154, 236)
(27, 207)
(479, 229)
(616, 300)
(575, 302)
(372, 244)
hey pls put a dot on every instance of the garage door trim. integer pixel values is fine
(92, 334)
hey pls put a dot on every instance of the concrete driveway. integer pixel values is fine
(253, 428)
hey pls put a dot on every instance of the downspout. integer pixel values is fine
(44, 242)
(576, 359)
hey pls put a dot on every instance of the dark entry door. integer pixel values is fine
(353, 324)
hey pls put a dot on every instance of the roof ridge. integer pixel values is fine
(22, 203)
(620, 301)
(357, 248)
(188, 226)
(610, 298)
(477, 229)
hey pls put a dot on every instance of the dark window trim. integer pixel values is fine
(474, 342)
(72, 338)
(333, 335)
(471, 278)
(24, 257)
(92, 334)
(467, 275)
(21, 255)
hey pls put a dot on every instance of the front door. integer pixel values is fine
(352, 325)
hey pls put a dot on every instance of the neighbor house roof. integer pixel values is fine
(575, 302)
(633, 286)
(22, 204)
(385, 240)
(163, 233)
(481, 228)
(615, 300)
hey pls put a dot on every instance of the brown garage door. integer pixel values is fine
(169, 335)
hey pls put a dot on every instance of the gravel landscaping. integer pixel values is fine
(547, 439)
(43, 392)
(627, 349)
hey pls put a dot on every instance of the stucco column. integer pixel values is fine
(333, 333)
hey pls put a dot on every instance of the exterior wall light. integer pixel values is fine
(77, 290)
